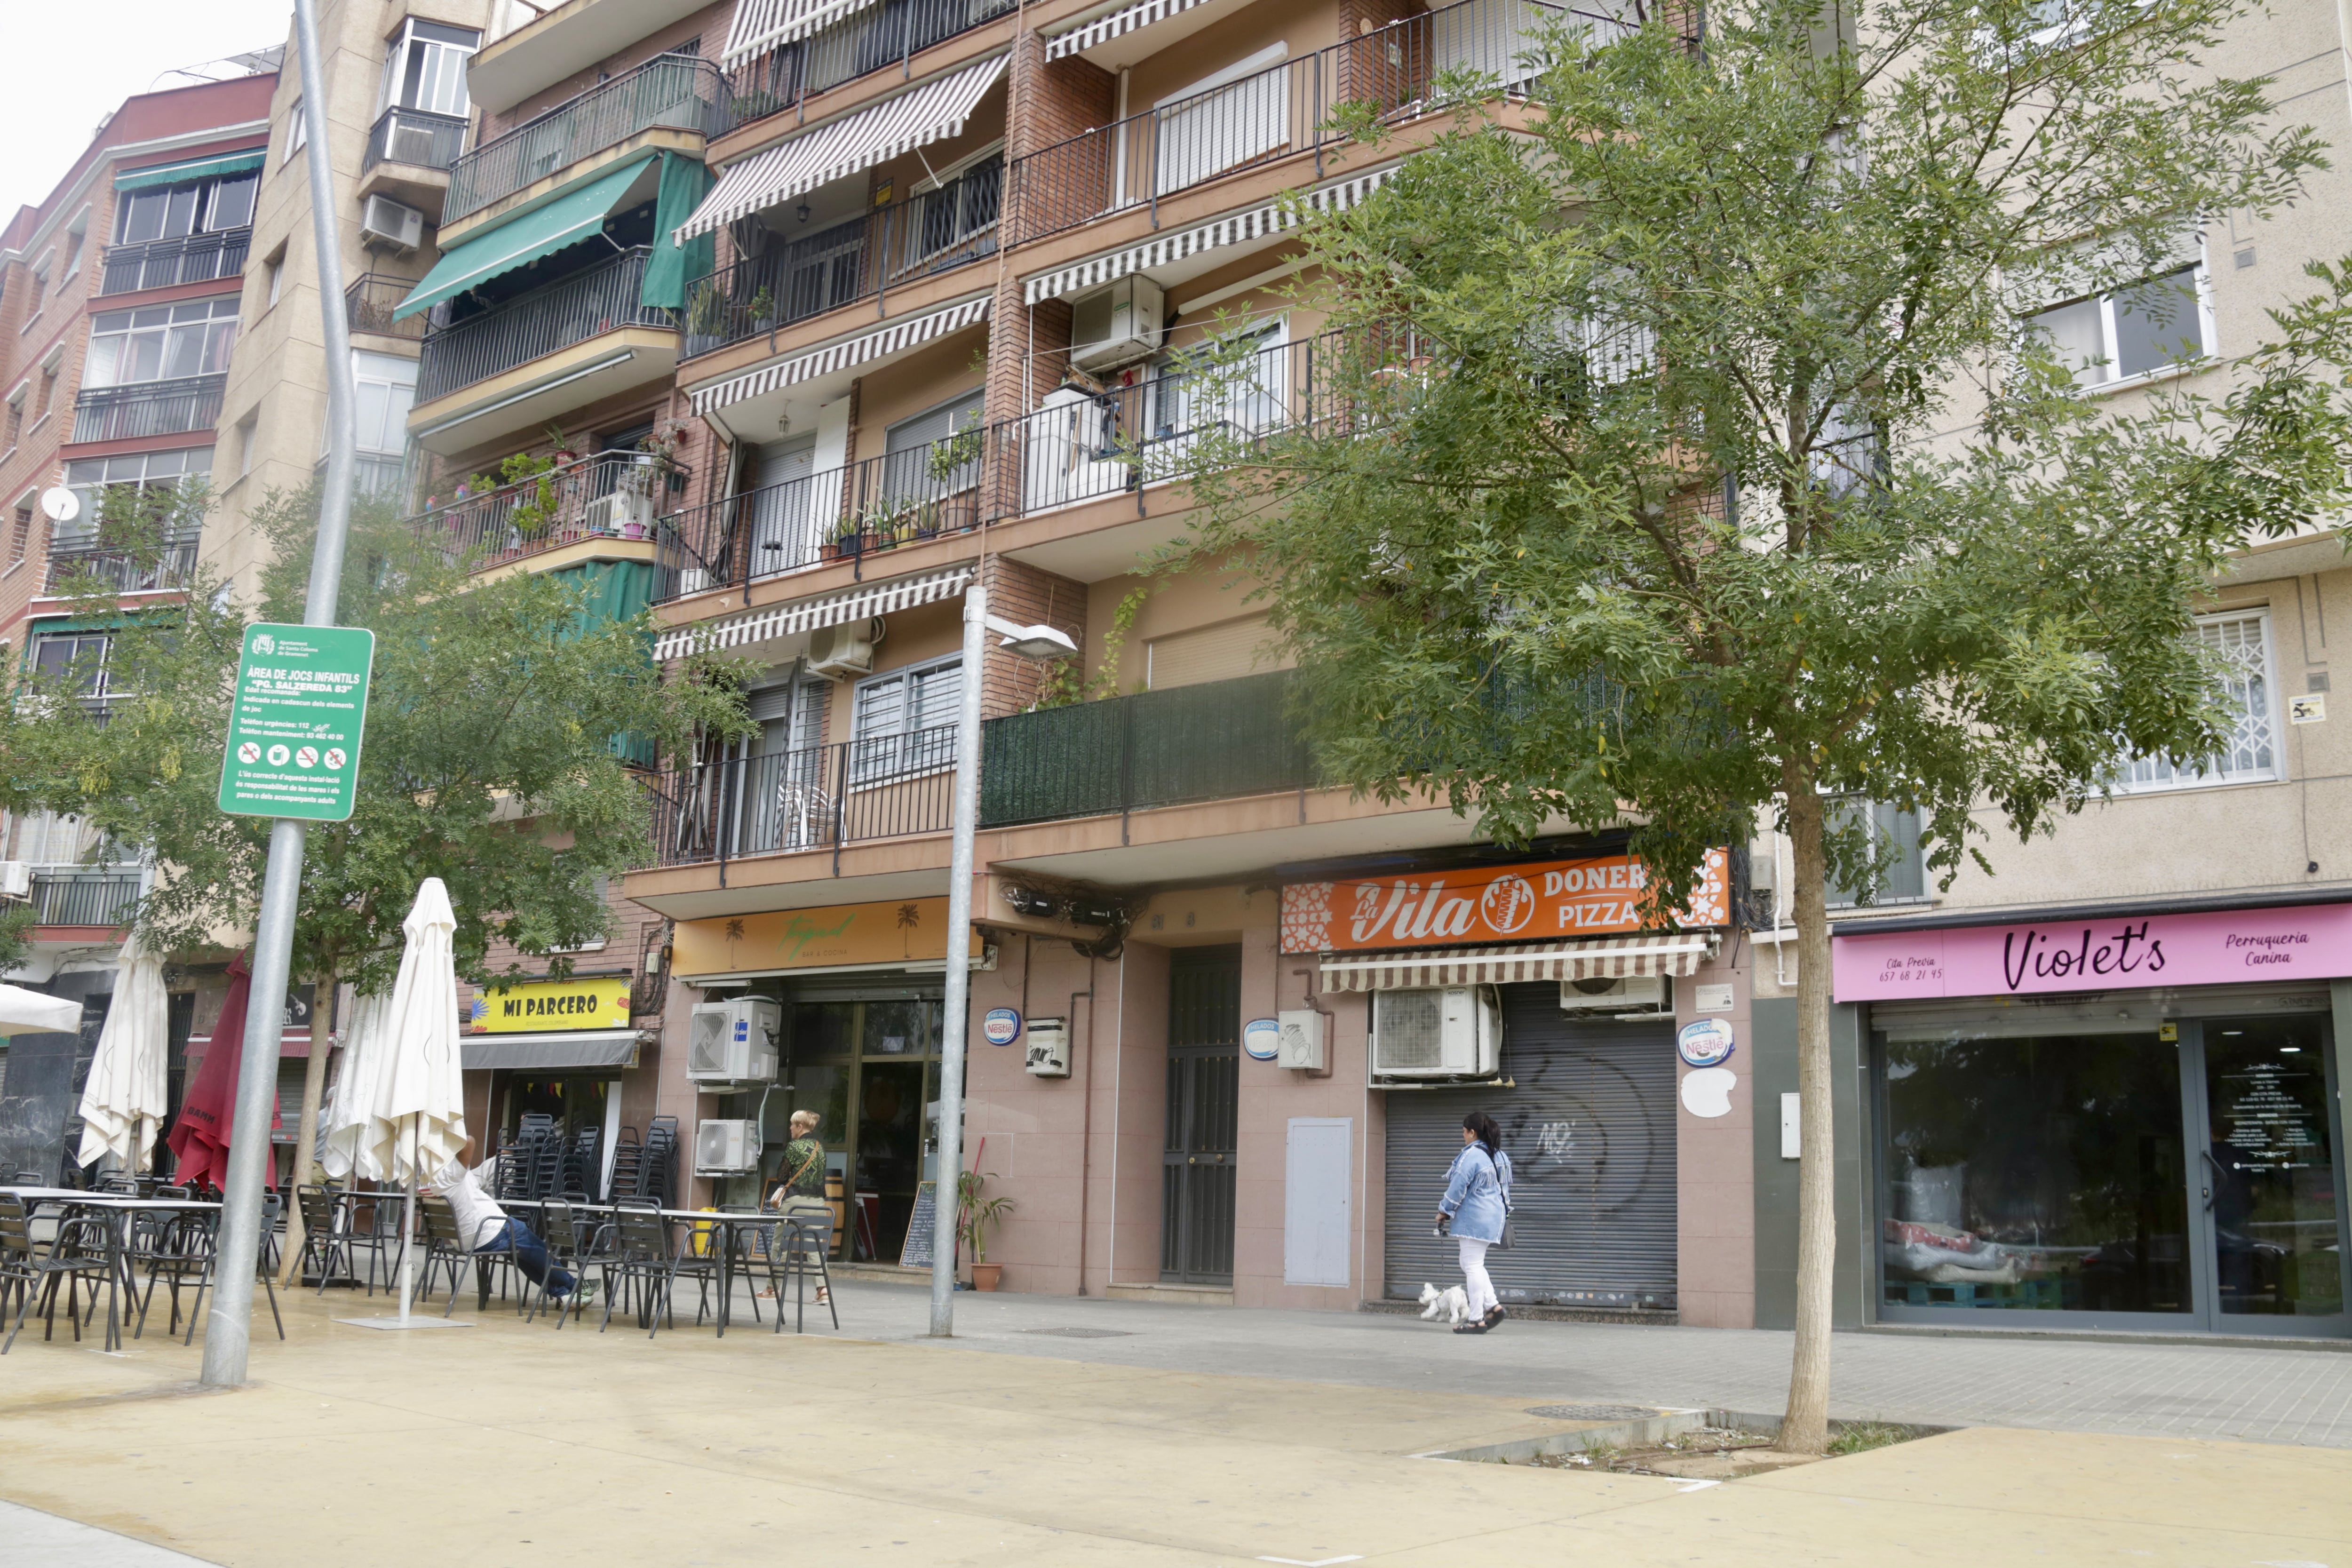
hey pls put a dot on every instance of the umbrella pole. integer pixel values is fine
(408, 1226)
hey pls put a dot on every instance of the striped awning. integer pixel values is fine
(1604, 958)
(1235, 228)
(843, 353)
(183, 174)
(763, 25)
(840, 148)
(861, 603)
(1103, 29)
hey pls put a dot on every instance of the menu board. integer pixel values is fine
(920, 1227)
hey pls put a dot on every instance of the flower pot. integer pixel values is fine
(986, 1275)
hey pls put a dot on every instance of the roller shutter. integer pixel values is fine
(1590, 1126)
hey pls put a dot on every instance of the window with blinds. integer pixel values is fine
(904, 722)
(1226, 651)
(2242, 643)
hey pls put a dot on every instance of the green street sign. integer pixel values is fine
(294, 735)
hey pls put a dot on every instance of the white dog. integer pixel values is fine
(1450, 1301)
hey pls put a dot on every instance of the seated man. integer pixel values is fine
(488, 1229)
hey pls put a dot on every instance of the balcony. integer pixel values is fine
(183, 258)
(927, 233)
(875, 39)
(613, 496)
(377, 476)
(602, 299)
(368, 305)
(85, 898)
(123, 572)
(415, 137)
(885, 786)
(900, 498)
(670, 92)
(148, 408)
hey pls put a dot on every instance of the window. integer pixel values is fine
(247, 429)
(1894, 833)
(73, 258)
(273, 272)
(909, 474)
(297, 130)
(49, 393)
(149, 470)
(164, 343)
(959, 206)
(904, 722)
(78, 659)
(425, 68)
(2132, 331)
(2242, 642)
(174, 212)
(17, 411)
(20, 536)
(1247, 394)
(387, 386)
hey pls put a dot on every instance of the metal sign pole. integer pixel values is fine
(952, 1024)
(228, 1329)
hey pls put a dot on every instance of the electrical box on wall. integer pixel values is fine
(1049, 1048)
(1116, 325)
(1300, 1043)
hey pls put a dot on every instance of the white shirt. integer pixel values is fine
(479, 1218)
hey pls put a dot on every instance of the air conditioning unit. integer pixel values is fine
(836, 652)
(733, 1041)
(1118, 325)
(692, 580)
(15, 880)
(1300, 1043)
(385, 222)
(726, 1148)
(1453, 1033)
(1642, 995)
(613, 514)
(1048, 1055)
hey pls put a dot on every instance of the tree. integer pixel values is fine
(1684, 455)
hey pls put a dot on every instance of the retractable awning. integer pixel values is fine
(182, 173)
(843, 353)
(1126, 19)
(840, 148)
(552, 1052)
(1604, 958)
(1257, 223)
(524, 240)
(763, 25)
(858, 604)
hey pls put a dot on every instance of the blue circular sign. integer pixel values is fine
(1001, 1027)
(1703, 1043)
(1262, 1039)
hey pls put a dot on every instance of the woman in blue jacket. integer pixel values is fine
(1477, 1200)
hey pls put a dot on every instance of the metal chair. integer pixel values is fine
(185, 1251)
(77, 1249)
(446, 1248)
(576, 1243)
(807, 1239)
(641, 1256)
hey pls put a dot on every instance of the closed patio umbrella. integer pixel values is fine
(199, 1138)
(24, 1012)
(124, 1099)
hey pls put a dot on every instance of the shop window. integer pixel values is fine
(2242, 644)
(1895, 836)
(904, 722)
(2150, 326)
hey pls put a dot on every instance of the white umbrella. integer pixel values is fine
(347, 1119)
(124, 1102)
(24, 1012)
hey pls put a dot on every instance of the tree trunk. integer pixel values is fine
(1805, 1427)
(306, 1136)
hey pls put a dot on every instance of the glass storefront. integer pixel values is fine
(2181, 1174)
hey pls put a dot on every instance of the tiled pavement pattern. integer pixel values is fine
(2285, 1395)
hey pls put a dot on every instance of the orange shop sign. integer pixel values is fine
(1547, 900)
(902, 930)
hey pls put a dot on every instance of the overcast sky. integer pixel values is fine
(74, 61)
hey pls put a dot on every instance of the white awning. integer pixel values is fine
(840, 148)
(1235, 229)
(1604, 958)
(861, 603)
(843, 353)
(763, 25)
(1103, 29)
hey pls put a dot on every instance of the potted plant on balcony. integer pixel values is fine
(763, 310)
(974, 1215)
(848, 538)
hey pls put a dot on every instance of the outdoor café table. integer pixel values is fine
(118, 1209)
(727, 1226)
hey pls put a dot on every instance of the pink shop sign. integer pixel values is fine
(2312, 941)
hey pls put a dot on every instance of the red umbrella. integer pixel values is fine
(199, 1139)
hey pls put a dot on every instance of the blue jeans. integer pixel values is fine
(530, 1256)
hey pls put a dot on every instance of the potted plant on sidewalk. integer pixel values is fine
(974, 1215)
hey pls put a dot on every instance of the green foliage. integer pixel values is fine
(488, 760)
(16, 923)
(1861, 1436)
(534, 507)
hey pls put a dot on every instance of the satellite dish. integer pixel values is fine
(60, 504)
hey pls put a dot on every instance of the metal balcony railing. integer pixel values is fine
(185, 259)
(882, 787)
(872, 39)
(614, 495)
(674, 90)
(124, 573)
(900, 498)
(1217, 741)
(368, 305)
(570, 310)
(931, 232)
(414, 136)
(1278, 111)
(148, 408)
(85, 898)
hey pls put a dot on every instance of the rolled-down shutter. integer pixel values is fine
(1590, 1128)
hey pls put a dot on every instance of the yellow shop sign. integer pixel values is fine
(544, 1004)
(903, 931)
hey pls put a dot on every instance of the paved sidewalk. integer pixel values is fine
(31, 1539)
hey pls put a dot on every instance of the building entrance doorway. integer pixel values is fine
(1205, 1035)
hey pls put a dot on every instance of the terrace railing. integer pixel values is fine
(414, 136)
(124, 573)
(614, 495)
(185, 259)
(820, 797)
(148, 408)
(875, 39)
(85, 898)
(368, 305)
(674, 90)
(570, 310)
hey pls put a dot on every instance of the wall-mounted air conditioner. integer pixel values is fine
(837, 652)
(733, 1041)
(1451, 1033)
(614, 514)
(15, 880)
(395, 225)
(1116, 325)
(1642, 995)
(1299, 1041)
(726, 1148)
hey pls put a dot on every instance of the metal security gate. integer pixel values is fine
(1205, 1033)
(1590, 1126)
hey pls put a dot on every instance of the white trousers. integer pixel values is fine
(1475, 1285)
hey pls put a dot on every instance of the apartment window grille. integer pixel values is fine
(163, 342)
(2251, 755)
(903, 723)
(2152, 325)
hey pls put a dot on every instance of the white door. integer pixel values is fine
(1315, 1201)
(778, 519)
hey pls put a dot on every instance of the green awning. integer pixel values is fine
(684, 182)
(541, 231)
(182, 173)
